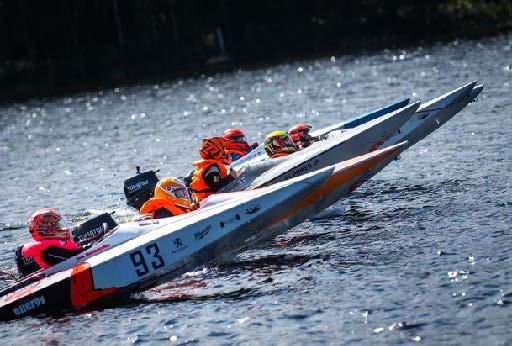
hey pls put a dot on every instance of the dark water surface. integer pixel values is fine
(422, 253)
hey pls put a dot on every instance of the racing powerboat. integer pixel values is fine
(139, 255)
(417, 122)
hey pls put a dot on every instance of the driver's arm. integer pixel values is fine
(53, 254)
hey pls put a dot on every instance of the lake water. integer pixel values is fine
(421, 253)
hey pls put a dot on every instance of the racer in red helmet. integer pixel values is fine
(52, 242)
(236, 145)
(300, 135)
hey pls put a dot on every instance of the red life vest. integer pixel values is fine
(35, 249)
(199, 187)
(153, 204)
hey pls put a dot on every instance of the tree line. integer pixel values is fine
(52, 46)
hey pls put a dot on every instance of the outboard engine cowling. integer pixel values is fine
(140, 188)
(93, 228)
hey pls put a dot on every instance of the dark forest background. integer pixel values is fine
(54, 46)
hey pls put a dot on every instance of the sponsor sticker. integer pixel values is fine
(201, 234)
(230, 221)
(148, 222)
(303, 169)
(92, 252)
(91, 233)
(138, 186)
(178, 245)
(252, 210)
(29, 305)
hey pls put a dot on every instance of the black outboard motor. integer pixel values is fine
(93, 229)
(140, 188)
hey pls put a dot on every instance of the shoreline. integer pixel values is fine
(348, 47)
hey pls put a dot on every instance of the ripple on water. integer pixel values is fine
(421, 253)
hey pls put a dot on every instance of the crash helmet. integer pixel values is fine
(173, 189)
(46, 224)
(214, 148)
(235, 140)
(279, 142)
(298, 131)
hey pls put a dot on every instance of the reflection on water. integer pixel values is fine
(419, 253)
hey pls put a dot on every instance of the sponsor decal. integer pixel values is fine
(27, 260)
(27, 306)
(229, 221)
(92, 252)
(178, 244)
(138, 186)
(91, 233)
(303, 169)
(252, 210)
(201, 234)
(148, 222)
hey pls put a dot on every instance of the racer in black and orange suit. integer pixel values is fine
(211, 172)
(171, 198)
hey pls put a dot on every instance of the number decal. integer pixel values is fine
(156, 255)
(139, 262)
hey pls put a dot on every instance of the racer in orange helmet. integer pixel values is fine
(171, 198)
(300, 135)
(236, 144)
(278, 143)
(52, 242)
(211, 173)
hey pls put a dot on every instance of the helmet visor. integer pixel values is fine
(182, 192)
(57, 225)
(177, 192)
(238, 139)
(57, 229)
(287, 142)
(305, 131)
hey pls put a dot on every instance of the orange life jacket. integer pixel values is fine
(153, 204)
(199, 187)
(279, 155)
(35, 249)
